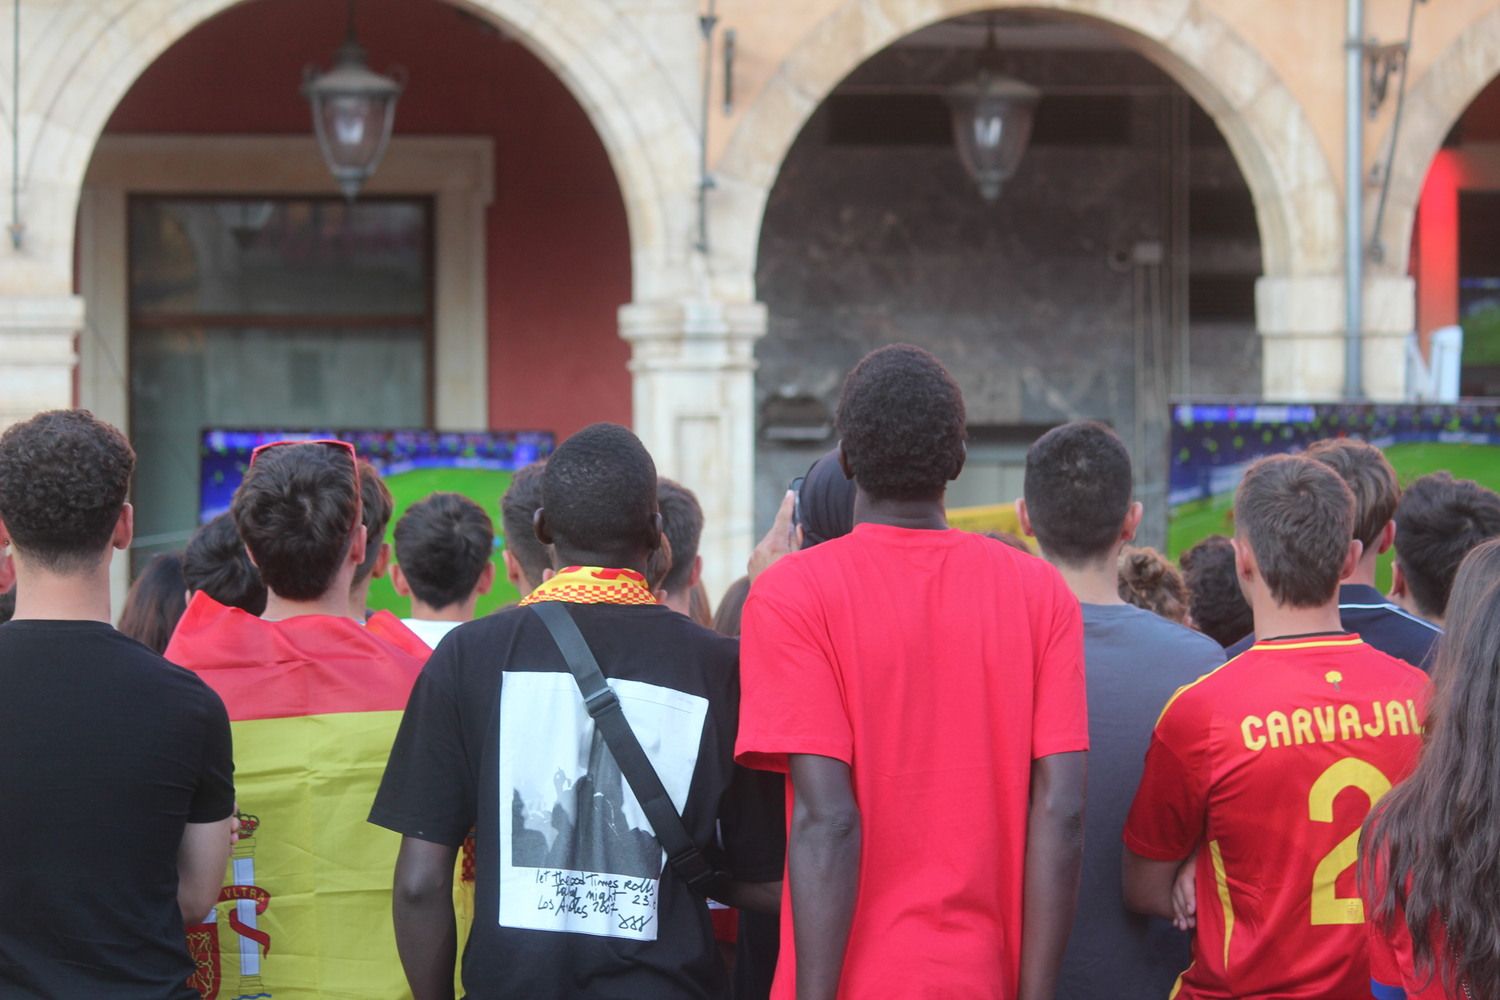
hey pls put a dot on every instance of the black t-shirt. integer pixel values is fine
(572, 897)
(106, 751)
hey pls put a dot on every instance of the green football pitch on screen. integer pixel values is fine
(1194, 521)
(484, 487)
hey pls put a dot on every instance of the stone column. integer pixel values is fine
(38, 353)
(1301, 323)
(693, 364)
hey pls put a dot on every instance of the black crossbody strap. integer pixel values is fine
(604, 707)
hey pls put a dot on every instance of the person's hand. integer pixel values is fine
(234, 825)
(782, 539)
(1185, 895)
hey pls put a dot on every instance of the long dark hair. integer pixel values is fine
(155, 602)
(1431, 848)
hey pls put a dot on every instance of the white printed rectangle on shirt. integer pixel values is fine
(577, 853)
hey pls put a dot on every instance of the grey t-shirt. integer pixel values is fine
(1135, 660)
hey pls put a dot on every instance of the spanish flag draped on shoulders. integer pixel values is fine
(314, 702)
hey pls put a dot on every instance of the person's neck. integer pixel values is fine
(926, 515)
(359, 598)
(335, 602)
(1094, 582)
(604, 559)
(46, 596)
(680, 602)
(1364, 570)
(1276, 620)
(461, 611)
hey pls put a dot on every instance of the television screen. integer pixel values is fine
(1212, 443)
(413, 463)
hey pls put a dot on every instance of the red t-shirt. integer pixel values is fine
(938, 665)
(1393, 960)
(1271, 764)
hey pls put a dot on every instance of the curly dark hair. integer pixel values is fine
(1439, 520)
(1078, 487)
(1217, 604)
(296, 510)
(156, 601)
(901, 423)
(443, 544)
(682, 522)
(599, 491)
(1148, 581)
(1428, 848)
(215, 563)
(517, 508)
(64, 477)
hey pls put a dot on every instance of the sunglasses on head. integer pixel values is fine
(343, 446)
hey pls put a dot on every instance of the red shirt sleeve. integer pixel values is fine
(1060, 710)
(791, 699)
(1385, 966)
(1168, 816)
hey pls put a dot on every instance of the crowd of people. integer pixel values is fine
(898, 760)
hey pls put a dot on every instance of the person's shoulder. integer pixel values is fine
(1377, 663)
(161, 676)
(1168, 648)
(1167, 637)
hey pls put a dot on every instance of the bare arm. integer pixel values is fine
(1148, 884)
(422, 904)
(758, 897)
(1054, 858)
(823, 864)
(201, 859)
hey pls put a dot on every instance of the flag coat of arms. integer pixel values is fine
(314, 703)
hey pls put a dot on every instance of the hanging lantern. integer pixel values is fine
(992, 116)
(353, 110)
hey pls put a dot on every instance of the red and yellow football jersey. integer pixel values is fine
(1269, 766)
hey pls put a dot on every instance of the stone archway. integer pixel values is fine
(1435, 102)
(1297, 201)
(88, 55)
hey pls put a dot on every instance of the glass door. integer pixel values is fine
(283, 313)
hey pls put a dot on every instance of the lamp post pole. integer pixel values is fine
(1354, 159)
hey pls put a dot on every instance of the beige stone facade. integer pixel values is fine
(1269, 72)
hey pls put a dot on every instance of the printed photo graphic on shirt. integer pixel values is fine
(577, 853)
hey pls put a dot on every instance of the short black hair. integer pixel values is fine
(517, 509)
(155, 603)
(599, 490)
(1078, 489)
(1369, 476)
(443, 544)
(64, 477)
(1438, 522)
(901, 423)
(375, 506)
(1215, 600)
(682, 523)
(1298, 516)
(215, 562)
(296, 509)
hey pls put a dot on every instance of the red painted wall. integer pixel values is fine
(558, 250)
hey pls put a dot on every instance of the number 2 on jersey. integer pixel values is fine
(1328, 907)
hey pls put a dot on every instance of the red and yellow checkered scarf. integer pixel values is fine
(593, 585)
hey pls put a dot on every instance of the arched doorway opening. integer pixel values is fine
(226, 284)
(1117, 270)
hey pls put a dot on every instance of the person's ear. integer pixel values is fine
(653, 532)
(382, 562)
(1387, 538)
(548, 574)
(844, 465)
(1351, 558)
(512, 568)
(399, 582)
(1244, 560)
(124, 528)
(1399, 586)
(540, 527)
(963, 456)
(1132, 523)
(1024, 516)
(486, 579)
(359, 544)
(697, 573)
